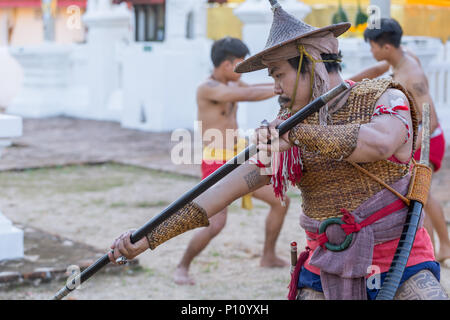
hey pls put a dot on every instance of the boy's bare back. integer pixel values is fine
(411, 75)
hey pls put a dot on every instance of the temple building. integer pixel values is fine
(21, 20)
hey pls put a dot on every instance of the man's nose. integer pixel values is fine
(277, 90)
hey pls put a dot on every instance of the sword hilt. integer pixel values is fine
(425, 152)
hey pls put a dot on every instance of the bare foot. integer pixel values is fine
(181, 277)
(443, 254)
(273, 262)
(445, 263)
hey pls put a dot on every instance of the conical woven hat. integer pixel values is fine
(285, 30)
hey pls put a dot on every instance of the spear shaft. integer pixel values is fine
(205, 184)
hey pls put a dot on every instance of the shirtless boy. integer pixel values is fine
(407, 70)
(217, 101)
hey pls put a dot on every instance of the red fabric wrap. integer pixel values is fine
(437, 151)
(382, 109)
(209, 167)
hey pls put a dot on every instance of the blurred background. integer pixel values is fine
(116, 60)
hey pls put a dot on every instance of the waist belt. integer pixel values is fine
(350, 226)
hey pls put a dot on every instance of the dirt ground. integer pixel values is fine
(94, 204)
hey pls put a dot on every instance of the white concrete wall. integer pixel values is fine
(78, 93)
(438, 73)
(160, 84)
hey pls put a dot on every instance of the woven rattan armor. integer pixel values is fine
(189, 217)
(327, 185)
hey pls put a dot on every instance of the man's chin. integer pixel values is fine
(283, 103)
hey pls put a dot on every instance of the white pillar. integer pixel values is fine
(257, 17)
(11, 79)
(4, 28)
(11, 238)
(176, 11)
(177, 17)
(108, 26)
(384, 7)
(200, 16)
(48, 20)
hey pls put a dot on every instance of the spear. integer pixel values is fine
(204, 185)
(401, 256)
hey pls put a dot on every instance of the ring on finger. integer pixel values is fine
(121, 260)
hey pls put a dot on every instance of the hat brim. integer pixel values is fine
(254, 63)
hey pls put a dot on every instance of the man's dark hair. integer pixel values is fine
(389, 32)
(330, 66)
(228, 49)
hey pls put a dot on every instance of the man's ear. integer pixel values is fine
(387, 47)
(228, 65)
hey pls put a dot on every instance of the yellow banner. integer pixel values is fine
(442, 3)
(412, 15)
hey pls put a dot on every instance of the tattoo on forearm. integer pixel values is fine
(420, 89)
(421, 286)
(253, 178)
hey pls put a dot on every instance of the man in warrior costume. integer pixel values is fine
(217, 101)
(407, 70)
(351, 160)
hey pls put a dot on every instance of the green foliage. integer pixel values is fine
(340, 15)
(361, 17)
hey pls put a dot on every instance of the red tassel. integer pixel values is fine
(294, 169)
(296, 166)
(295, 275)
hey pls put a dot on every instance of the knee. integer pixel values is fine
(279, 207)
(216, 226)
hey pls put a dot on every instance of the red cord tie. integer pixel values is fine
(322, 239)
(350, 225)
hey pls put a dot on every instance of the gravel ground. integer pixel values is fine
(94, 204)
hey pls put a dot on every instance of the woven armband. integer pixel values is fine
(334, 141)
(420, 183)
(189, 217)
